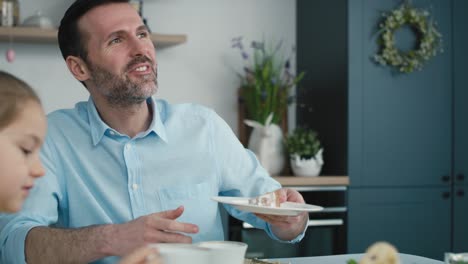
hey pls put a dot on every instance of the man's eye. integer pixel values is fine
(143, 34)
(115, 41)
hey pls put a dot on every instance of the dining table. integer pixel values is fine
(343, 259)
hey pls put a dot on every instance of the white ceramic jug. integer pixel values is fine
(266, 141)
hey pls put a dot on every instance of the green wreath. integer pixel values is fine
(429, 39)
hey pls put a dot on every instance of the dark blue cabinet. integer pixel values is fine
(460, 171)
(406, 145)
(416, 220)
(408, 139)
(460, 219)
(400, 124)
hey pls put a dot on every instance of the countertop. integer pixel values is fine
(313, 181)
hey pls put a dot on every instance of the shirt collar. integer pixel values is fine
(98, 127)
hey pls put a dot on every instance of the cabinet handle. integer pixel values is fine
(446, 195)
(445, 178)
(460, 193)
(460, 177)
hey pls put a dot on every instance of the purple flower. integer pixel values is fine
(258, 45)
(273, 80)
(245, 56)
(237, 43)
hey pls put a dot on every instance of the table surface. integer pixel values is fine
(342, 259)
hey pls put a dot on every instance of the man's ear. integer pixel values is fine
(78, 68)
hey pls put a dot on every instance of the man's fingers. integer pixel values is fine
(171, 214)
(173, 226)
(277, 219)
(282, 194)
(169, 237)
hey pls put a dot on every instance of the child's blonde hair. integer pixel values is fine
(14, 93)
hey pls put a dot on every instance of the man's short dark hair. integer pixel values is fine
(71, 41)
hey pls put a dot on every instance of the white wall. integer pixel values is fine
(203, 70)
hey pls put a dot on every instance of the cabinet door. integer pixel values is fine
(400, 124)
(460, 221)
(461, 91)
(460, 213)
(415, 220)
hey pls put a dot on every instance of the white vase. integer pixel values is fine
(307, 167)
(267, 144)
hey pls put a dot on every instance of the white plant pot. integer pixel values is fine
(307, 167)
(267, 144)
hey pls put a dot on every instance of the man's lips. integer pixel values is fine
(141, 68)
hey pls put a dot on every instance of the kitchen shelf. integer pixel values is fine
(313, 181)
(49, 36)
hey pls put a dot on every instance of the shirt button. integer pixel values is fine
(134, 186)
(112, 133)
(128, 146)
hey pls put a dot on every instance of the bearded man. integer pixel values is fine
(124, 169)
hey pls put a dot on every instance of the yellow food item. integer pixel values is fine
(380, 253)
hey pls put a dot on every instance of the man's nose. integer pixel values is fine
(140, 47)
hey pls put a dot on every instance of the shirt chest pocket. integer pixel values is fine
(199, 209)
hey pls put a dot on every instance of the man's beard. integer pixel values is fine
(119, 90)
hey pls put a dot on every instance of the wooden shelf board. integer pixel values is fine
(26, 34)
(38, 35)
(313, 181)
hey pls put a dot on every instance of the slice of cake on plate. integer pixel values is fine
(271, 199)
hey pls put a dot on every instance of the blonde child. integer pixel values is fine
(22, 132)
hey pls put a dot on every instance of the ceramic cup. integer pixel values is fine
(226, 252)
(183, 253)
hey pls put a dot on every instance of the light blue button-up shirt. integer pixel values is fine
(96, 175)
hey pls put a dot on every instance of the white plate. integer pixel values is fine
(286, 208)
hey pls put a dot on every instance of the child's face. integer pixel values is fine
(19, 156)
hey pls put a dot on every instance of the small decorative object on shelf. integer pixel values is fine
(10, 55)
(38, 20)
(305, 152)
(429, 39)
(266, 141)
(9, 13)
(267, 80)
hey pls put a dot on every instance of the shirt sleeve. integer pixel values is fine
(39, 209)
(241, 174)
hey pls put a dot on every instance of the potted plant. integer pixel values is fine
(267, 80)
(305, 152)
(265, 90)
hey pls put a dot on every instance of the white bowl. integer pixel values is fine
(225, 252)
(172, 253)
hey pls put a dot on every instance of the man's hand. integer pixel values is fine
(143, 255)
(287, 227)
(159, 227)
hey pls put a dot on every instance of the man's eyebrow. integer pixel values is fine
(118, 32)
(142, 27)
(115, 33)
